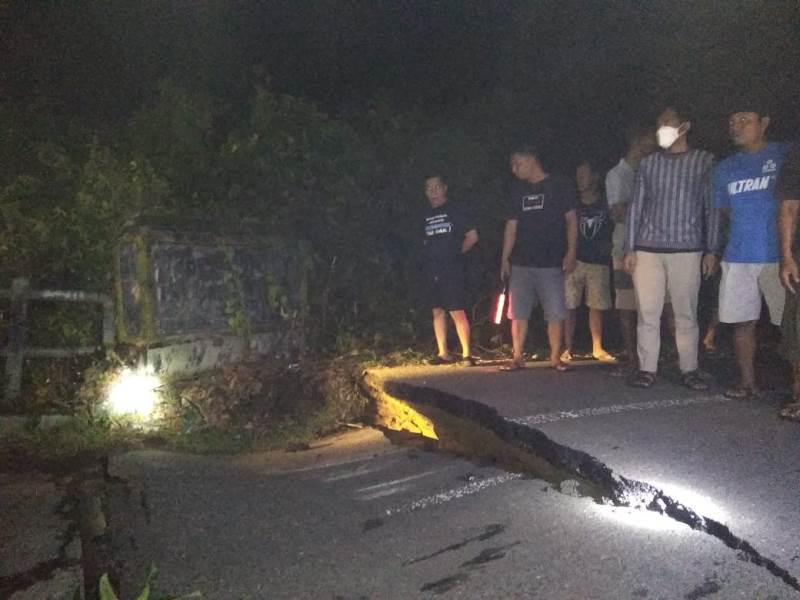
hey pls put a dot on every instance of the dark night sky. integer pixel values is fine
(580, 67)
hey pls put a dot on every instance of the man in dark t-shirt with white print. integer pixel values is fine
(449, 234)
(539, 248)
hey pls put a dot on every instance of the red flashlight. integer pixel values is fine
(501, 304)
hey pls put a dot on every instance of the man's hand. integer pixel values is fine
(709, 266)
(629, 262)
(790, 275)
(569, 263)
(505, 269)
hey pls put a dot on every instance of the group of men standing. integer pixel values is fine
(659, 227)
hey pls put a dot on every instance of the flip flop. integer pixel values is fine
(791, 411)
(740, 392)
(512, 366)
(604, 357)
(563, 367)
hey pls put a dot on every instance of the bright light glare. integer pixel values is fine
(702, 505)
(640, 518)
(501, 303)
(134, 393)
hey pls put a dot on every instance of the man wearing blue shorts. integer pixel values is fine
(744, 189)
(539, 248)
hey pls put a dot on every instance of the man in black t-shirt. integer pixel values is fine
(449, 234)
(592, 272)
(788, 190)
(539, 248)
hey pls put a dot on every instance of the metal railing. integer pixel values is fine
(15, 352)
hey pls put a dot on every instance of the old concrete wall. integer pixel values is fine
(192, 295)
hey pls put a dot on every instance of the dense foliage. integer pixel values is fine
(351, 190)
(113, 111)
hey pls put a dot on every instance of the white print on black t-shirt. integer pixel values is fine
(437, 225)
(533, 202)
(590, 226)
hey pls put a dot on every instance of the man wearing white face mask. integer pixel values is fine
(673, 237)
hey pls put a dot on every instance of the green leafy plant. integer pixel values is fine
(106, 590)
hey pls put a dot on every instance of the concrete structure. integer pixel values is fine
(193, 295)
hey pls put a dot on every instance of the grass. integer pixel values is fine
(327, 399)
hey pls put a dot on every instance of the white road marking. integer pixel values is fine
(597, 411)
(454, 494)
(356, 473)
(385, 492)
(397, 481)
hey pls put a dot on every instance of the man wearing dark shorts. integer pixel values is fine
(788, 191)
(539, 248)
(449, 234)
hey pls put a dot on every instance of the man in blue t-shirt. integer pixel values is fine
(744, 189)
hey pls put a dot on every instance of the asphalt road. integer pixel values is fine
(357, 517)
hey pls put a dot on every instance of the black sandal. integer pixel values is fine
(438, 360)
(695, 381)
(642, 379)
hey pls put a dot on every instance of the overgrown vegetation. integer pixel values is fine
(182, 123)
(238, 408)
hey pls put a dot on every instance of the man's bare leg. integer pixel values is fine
(569, 333)
(440, 331)
(596, 329)
(744, 346)
(462, 329)
(710, 338)
(555, 332)
(519, 331)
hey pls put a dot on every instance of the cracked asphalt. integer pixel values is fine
(359, 517)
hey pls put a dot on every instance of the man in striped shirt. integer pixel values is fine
(673, 236)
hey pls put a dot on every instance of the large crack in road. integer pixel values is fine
(474, 429)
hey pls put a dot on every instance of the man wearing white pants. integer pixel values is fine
(673, 233)
(744, 189)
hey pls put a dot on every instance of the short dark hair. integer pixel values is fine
(435, 175)
(681, 108)
(753, 103)
(526, 148)
(590, 162)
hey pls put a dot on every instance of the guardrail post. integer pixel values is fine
(16, 338)
(108, 323)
